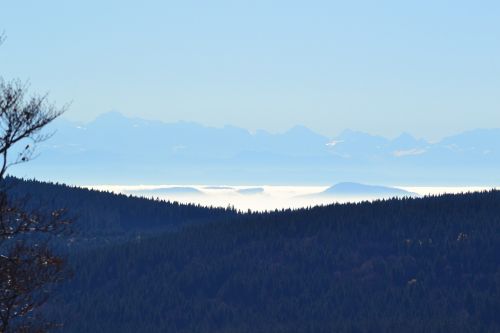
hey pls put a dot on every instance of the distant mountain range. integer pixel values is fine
(117, 149)
(251, 191)
(172, 191)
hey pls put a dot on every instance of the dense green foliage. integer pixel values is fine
(408, 265)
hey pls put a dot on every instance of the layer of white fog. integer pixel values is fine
(265, 197)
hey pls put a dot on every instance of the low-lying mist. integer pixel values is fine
(267, 197)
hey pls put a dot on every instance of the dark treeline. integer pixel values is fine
(403, 265)
(101, 216)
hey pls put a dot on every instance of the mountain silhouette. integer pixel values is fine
(356, 189)
(114, 148)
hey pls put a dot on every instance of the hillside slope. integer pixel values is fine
(406, 265)
(102, 217)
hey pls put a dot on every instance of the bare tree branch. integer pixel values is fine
(28, 266)
(22, 119)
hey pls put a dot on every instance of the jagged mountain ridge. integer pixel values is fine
(114, 148)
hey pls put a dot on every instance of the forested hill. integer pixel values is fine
(406, 265)
(103, 216)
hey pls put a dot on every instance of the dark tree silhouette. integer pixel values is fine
(28, 265)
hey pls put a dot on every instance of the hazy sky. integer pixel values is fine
(427, 67)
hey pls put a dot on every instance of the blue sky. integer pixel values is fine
(430, 68)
